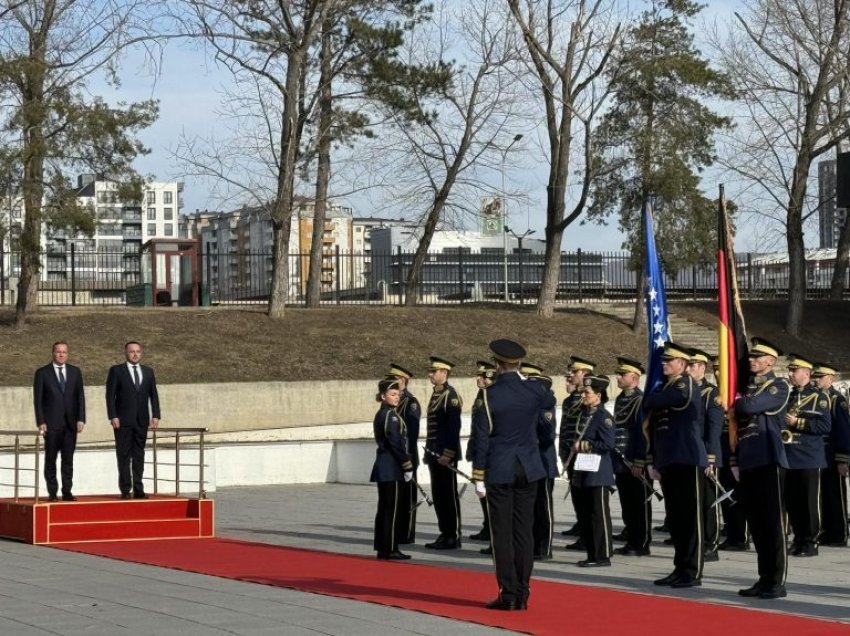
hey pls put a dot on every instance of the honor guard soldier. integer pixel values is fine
(506, 467)
(834, 478)
(392, 469)
(571, 409)
(806, 423)
(630, 449)
(442, 449)
(759, 462)
(678, 459)
(734, 516)
(544, 519)
(712, 430)
(485, 375)
(409, 410)
(595, 438)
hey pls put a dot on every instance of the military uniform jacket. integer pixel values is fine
(715, 418)
(598, 438)
(676, 418)
(628, 436)
(391, 458)
(546, 423)
(571, 411)
(838, 442)
(470, 444)
(761, 417)
(410, 411)
(505, 430)
(807, 449)
(443, 424)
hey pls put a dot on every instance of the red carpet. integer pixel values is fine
(555, 608)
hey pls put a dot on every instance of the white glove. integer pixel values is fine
(480, 489)
(408, 475)
(736, 473)
(653, 474)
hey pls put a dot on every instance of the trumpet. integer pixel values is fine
(787, 436)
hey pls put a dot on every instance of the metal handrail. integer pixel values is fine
(176, 463)
(36, 435)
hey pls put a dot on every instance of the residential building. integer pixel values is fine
(830, 218)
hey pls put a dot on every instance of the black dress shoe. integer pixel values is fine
(806, 551)
(774, 591)
(685, 581)
(125, 495)
(52, 498)
(599, 563)
(621, 536)
(629, 551)
(501, 604)
(480, 536)
(437, 541)
(140, 495)
(487, 550)
(395, 555)
(448, 544)
(667, 580)
(710, 556)
(576, 545)
(572, 532)
(752, 591)
(662, 528)
(734, 546)
(68, 498)
(522, 605)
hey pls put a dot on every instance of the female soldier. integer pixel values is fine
(595, 436)
(392, 467)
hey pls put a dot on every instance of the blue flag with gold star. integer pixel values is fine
(657, 326)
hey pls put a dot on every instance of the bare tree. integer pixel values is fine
(568, 70)
(790, 61)
(50, 50)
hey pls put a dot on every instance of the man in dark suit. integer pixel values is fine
(60, 414)
(130, 388)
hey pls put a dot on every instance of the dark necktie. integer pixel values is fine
(136, 377)
(62, 379)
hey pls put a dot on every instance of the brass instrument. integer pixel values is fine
(787, 436)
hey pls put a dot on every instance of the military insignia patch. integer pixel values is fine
(609, 421)
(455, 402)
(547, 416)
(773, 390)
(414, 408)
(477, 404)
(680, 385)
(717, 401)
(822, 404)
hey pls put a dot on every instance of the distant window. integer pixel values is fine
(358, 229)
(101, 197)
(151, 214)
(169, 213)
(151, 197)
(169, 229)
(151, 229)
(167, 198)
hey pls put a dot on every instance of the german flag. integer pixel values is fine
(732, 367)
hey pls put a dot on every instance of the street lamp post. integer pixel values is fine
(505, 215)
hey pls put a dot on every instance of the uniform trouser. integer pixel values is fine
(573, 497)
(406, 525)
(511, 511)
(485, 527)
(446, 501)
(711, 514)
(130, 451)
(802, 500)
(637, 511)
(762, 497)
(834, 500)
(594, 517)
(543, 518)
(734, 517)
(59, 442)
(386, 518)
(683, 489)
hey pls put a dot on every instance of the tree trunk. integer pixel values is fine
(796, 247)
(281, 213)
(842, 257)
(411, 283)
(314, 280)
(551, 273)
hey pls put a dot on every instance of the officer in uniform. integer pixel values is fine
(758, 460)
(734, 516)
(630, 445)
(442, 449)
(712, 430)
(544, 519)
(596, 436)
(677, 458)
(485, 376)
(806, 423)
(391, 470)
(409, 410)
(506, 467)
(571, 410)
(834, 479)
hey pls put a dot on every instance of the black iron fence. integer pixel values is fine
(102, 276)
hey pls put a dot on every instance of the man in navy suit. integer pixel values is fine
(60, 414)
(132, 404)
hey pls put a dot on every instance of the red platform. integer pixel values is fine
(106, 518)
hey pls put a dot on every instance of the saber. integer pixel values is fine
(646, 483)
(455, 470)
(428, 499)
(727, 494)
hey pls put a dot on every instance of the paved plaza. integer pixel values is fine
(49, 591)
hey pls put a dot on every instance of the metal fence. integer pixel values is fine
(101, 277)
